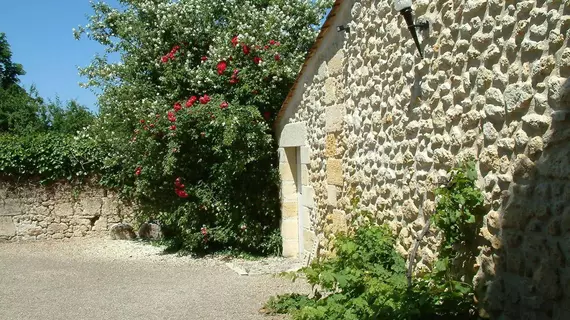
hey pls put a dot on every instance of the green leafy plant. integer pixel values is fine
(366, 276)
(49, 157)
(208, 173)
(459, 214)
(287, 303)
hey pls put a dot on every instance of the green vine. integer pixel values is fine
(367, 277)
(458, 215)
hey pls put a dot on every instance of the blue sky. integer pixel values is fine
(40, 35)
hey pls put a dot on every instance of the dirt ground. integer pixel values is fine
(106, 279)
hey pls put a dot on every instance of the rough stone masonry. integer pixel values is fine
(384, 125)
(29, 211)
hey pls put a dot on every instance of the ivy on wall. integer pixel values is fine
(49, 157)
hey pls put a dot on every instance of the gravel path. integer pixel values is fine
(105, 279)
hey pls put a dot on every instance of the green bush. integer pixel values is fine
(209, 174)
(367, 280)
(366, 277)
(49, 157)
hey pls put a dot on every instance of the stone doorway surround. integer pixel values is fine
(297, 196)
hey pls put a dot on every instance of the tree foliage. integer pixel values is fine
(9, 71)
(20, 110)
(70, 118)
(24, 112)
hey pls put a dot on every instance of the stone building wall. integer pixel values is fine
(385, 126)
(29, 211)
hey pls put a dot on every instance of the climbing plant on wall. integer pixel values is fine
(366, 276)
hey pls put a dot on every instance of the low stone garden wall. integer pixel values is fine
(30, 211)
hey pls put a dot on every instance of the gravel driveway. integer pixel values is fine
(105, 279)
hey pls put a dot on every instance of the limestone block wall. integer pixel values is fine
(29, 211)
(297, 202)
(385, 126)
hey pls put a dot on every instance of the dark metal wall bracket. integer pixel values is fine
(424, 25)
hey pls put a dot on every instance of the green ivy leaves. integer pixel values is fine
(459, 207)
(49, 157)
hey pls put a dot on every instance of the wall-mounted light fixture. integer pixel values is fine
(405, 9)
(342, 28)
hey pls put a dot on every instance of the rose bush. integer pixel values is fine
(203, 174)
(187, 111)
(248, 51)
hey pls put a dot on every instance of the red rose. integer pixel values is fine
(181, 193)
(170, 55)
(256, 60)
(234, 79)
(204, 231)
(138, 171)
(151, 125)
(204, 58)
(245, 49)
(178, 184)
(222, 65)
(177, 106)
(141, 121)
(173, 127)
(175, 49)
(267, 115)
(272, 42)
(277, 43)
(277, 57)
(164, 59)
(235, 41)
(224, 105)
(266, 47)
(191, 101)
(204, 99)
(171, 116)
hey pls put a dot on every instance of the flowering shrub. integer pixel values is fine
(187, 110)
(248, 51)
(202, 172)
